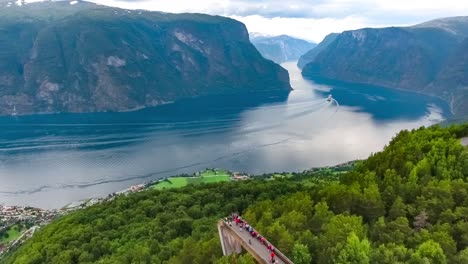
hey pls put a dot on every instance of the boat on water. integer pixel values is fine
(14, 113)
(329, 98)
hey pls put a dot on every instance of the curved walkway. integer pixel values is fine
(253, 245)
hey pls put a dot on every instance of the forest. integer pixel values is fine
(405, 204)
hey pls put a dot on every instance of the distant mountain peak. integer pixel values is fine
(254, 35)
(257, 35)
(281, 48)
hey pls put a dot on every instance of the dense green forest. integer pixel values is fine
(406, 204)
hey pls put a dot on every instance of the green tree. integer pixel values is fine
(398, 209)
(354, 251)
(301, 255)
(370, 205)
(246, 259)
(336, 233)
(462, 257)
(236, 259)
(429, 252)
(393, 232)
(279, 236)
(340, 226)
(436, 197)
(321, 216)
(461, 233)
(390, 253)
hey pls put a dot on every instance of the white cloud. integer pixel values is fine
(300, 8)
(310, 19)
(306, 28)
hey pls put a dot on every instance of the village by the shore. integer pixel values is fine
(19, 223)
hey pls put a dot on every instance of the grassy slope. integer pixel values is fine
(208, 176)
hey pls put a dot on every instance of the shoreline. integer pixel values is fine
(163, 103)
(38, 217)
(147, 185)
(142, 187)
(324, 80)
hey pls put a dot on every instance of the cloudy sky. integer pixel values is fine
(308, 19)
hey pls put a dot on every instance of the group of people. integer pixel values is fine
(243, 225)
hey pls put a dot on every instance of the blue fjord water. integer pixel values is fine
(52, 160)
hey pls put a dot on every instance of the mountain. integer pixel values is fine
(59, 56)
(424, 58)
(405, 204)
(281, 48)
(451, 82)
(311, 54)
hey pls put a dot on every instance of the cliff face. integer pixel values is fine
(310, 55)
(423, 58)
(451, 82)
(57, 57)
(281, 48)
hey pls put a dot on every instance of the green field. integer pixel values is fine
(13, 233)
(208, 176)
(278, 175)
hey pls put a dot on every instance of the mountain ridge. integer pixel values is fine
(92, 58)
(409, 58)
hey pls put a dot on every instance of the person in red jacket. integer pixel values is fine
(272, 255)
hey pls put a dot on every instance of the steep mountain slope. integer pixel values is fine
(452, 81)
(311, 54)
(411, 58)
(58, 57)
(281, 48)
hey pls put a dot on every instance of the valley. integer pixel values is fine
(282, 48)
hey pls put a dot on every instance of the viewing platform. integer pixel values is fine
(233, 240)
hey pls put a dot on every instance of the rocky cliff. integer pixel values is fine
(80, 57)
(425, 58)
(310, 55)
